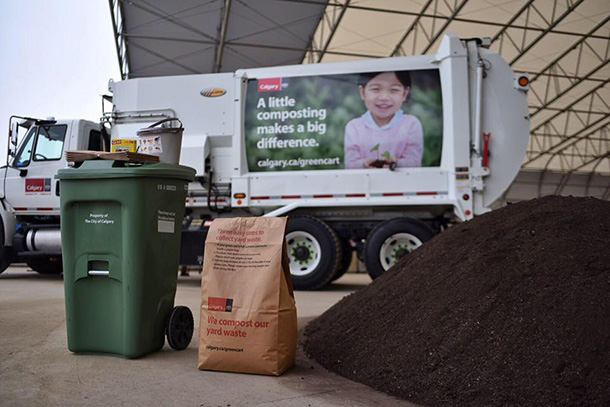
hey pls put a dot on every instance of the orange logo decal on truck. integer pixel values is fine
(213, 92)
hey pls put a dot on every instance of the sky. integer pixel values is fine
(57, 58)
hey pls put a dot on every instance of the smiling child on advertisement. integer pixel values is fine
(384, 134)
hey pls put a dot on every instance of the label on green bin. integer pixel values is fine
(166, 221)
(167, 187)
(99, 219)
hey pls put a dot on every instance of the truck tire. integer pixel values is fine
(314, 252)
(46, 265)
(392, 240)
(7, 256)
(346, 259)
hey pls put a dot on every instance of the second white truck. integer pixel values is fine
(375, 156)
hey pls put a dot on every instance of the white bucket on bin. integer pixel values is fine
(164, 142)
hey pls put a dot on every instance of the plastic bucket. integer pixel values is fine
(164, 142)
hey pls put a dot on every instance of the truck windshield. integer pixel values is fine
(24, 153)
(50, 143)
(41, 143)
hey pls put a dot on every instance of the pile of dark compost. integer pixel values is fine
(509, 309)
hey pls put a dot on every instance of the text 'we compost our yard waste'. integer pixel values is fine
(229, 327)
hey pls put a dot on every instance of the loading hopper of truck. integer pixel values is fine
(310, 142)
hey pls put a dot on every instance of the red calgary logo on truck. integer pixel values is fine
(37, 185)
(270, 85)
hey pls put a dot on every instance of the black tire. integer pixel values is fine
(7, 257)
(346, 259)
(392, 240)
(46, 265)
(180, 326)
(314, 252)
(7, 254)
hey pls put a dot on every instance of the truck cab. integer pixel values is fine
(29, 193)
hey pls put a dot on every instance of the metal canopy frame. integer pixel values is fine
(159, 38)
(563, 44)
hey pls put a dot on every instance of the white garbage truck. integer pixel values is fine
(376, 156)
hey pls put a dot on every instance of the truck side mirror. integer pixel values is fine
(14, 133)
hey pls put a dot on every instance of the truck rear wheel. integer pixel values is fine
(346, 259)
(392, 240)
(46, 265)
(314, 252)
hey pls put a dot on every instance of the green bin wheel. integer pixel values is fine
(180, 328)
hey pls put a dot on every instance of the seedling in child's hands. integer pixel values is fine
(387, 156)
(376, 148)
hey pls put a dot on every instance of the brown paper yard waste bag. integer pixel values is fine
(248, 313)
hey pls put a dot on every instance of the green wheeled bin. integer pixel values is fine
(120, 230)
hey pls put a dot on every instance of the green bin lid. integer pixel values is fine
(102, 169)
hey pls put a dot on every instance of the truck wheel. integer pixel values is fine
(314, 252)
(392, 240)
(7, 256)
(46, 265)
(346, 259)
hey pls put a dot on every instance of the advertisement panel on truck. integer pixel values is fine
(349, 121)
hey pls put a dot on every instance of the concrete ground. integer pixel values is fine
(36, 368)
